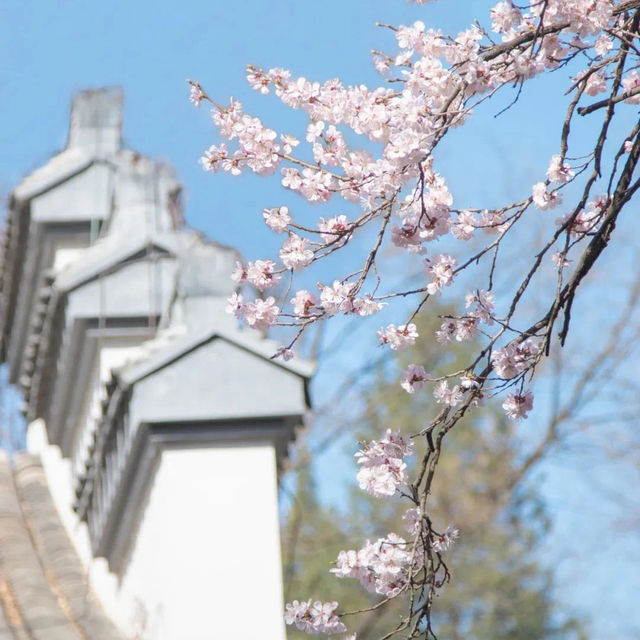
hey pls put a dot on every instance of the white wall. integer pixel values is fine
(206, 563)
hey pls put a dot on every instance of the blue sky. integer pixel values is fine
(48, 50)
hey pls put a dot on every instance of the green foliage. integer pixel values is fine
(499, 589)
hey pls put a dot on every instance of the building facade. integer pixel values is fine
(155, 424)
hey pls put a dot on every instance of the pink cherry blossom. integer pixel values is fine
(518, 405)
(504, 16)
(588, 220)
(291, 178)
(544, 199)
(464, 226)
(277, 219)
(596, 83)
(213, 157)
(491, 222)
(382, 65)
(400, 337)
(236, 306)
(458, 329)
(261, 274)
(332, 229)
(316, 618)
(258, 80)
(481, 304)
(295, 252)
(514, 359)
(367, 306)
(196, 95)
(338, 298)
(381, 566)
(440, 268)
(443, 542)
(314, 129)
(447, 396)
(407, 236)
(631, 83)
(316, 186)
(558, 170)
(304, 303)
(382, 463)
(414, 378)
(239, 273)
(603, 45)
(289, 142)
(261, 314)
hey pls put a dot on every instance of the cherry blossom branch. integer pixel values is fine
(440, 82)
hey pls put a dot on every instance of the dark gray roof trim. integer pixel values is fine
(112, 525)
(48, 319)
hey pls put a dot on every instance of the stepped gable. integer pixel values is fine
(144, 399)
(161, 384)
(44, 594)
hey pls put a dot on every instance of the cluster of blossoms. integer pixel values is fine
(515, 358)
(480, 304)
(384, 566)
(316, 618)
(545, 199)
(381, 567)
(453, 396)
(583, 17)
(258, 314)
(339, 298)
(258, 148)
(333, 300)
(450, 396)
(398, 338)
(558, 171)
(295, 252)
(382, 470)
(440, 270)
(587, 220)
(304, 304)
(511, 361)
(438, 75)
(425, 214)
(261, 274)
(415, 377)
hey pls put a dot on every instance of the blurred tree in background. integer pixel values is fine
(500, 588)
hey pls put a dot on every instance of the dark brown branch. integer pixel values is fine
(583, 111)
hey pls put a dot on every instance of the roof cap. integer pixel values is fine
(96, 120)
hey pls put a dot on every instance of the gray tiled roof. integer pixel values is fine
(44, 594)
